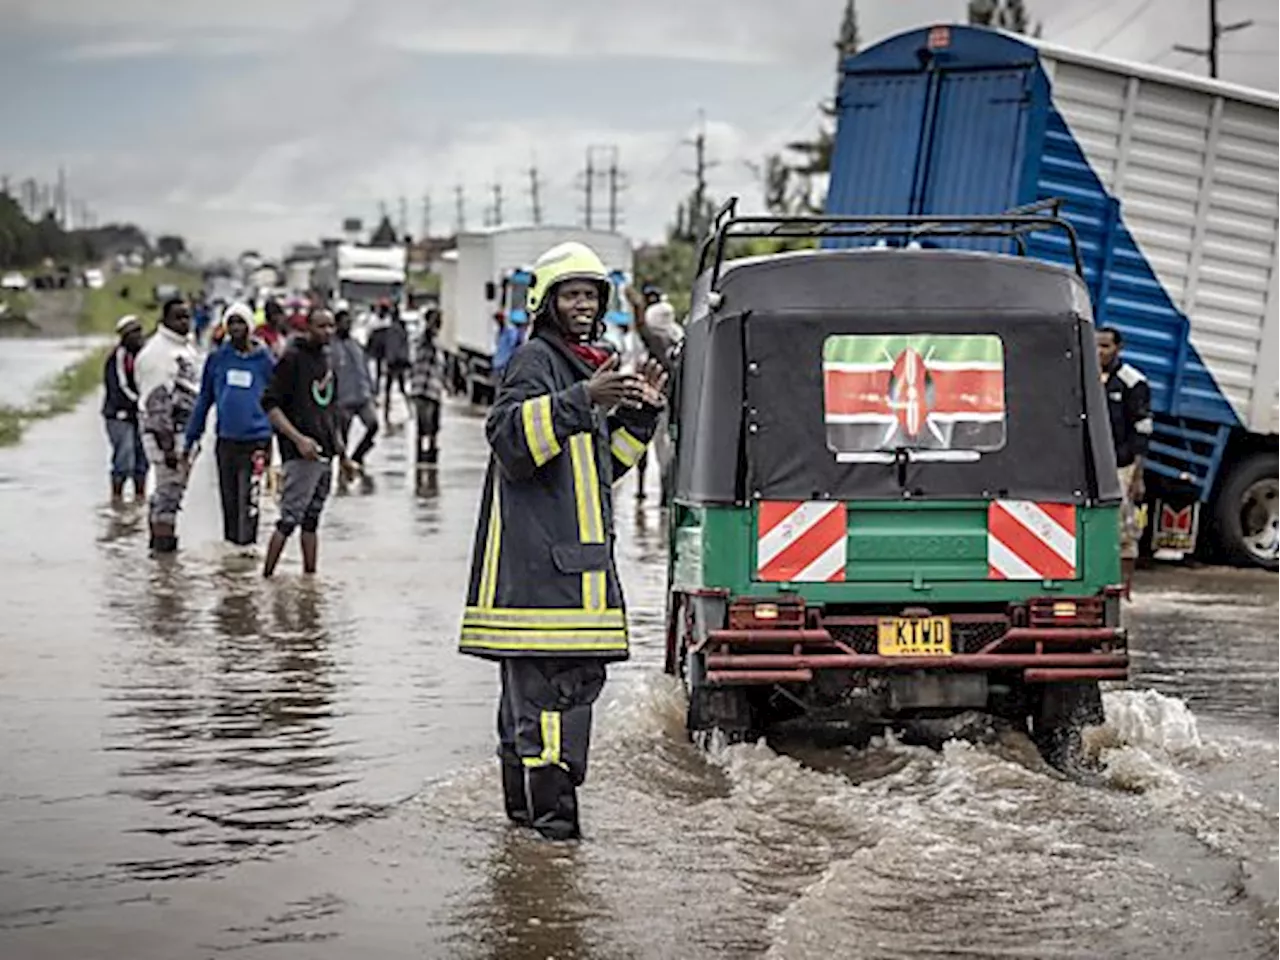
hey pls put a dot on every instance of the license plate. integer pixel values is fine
(914, 637)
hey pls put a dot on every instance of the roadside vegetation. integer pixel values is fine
(133, 293)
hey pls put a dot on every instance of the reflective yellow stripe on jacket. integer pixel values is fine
(586, 492)
(539, 435)
(492, 550)
(626, 448)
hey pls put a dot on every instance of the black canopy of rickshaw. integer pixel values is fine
(750, 391)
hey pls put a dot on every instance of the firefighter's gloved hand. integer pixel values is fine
(609, 388)
(171, 458)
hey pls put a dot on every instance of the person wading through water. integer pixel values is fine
(300, 401)
(235, 376)
(168, 373)
(355, 394)
(426, 388)
(544, 599)
(120, 411)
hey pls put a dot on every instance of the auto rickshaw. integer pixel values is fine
(895, 489)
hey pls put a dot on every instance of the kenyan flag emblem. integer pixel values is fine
(919, 392)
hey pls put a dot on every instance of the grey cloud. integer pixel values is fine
(320, 119)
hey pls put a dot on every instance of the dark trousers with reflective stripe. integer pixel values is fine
(241, 464)
(544, 734)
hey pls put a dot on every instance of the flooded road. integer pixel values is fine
(198, 764)
(27, 364)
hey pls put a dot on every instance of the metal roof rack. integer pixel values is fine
(1040, 217)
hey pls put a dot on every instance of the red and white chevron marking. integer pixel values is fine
(804, 542)
(1031, 541)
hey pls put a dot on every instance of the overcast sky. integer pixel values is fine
(262, 122)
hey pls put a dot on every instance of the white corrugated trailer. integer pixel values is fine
(1194, 164)
(471, 290)
(1170, 181)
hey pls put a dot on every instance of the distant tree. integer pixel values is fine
(792, 184)
(1008, 15)
(384, 235)
(170, 246)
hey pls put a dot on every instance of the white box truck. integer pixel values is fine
(362, 275)
(480, 284)
(1170, 181)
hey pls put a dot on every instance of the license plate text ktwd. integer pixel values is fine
(914, 636)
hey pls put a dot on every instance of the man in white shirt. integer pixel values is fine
(168, 376)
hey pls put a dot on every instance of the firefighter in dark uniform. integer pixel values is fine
(1129, 407)
(544, 598)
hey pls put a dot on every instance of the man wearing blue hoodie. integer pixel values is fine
(235, 375)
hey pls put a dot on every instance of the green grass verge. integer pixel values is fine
(132, 293)
(59, 395)
(18, 301)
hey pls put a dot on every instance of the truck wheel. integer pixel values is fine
(1246, 513)
(721, 713)
(1059, 712)
(727, 711)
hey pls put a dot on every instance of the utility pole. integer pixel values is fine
(697, 212)
(404, 218)
(60, 198)
(460, 208)
(615, 185)
(1217, 30)
(426, 216)
(588, 187)
(497, 204)
(535, 203)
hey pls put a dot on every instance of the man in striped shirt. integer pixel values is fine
(120, 412)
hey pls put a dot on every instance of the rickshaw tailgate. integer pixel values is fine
(917, 543)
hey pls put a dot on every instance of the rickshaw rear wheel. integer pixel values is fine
(1059, 714)
(727, 714)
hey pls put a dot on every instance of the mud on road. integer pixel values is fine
(198, 764)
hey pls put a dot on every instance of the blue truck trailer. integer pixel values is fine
(1171, 184)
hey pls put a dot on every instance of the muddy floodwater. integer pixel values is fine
(199, 765)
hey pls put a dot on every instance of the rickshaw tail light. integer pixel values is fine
(1056, 612)
(748, 614)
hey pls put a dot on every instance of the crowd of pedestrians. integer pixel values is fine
(282, 387)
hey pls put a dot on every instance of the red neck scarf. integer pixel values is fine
(591, 356)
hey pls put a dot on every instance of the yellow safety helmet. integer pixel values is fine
(567, 261)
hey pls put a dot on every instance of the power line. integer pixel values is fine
(1090, 13)
(1124, 25)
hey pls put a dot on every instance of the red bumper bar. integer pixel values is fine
(740, 677)
(1013, 635)
(871, 661)
(1036, 675)
(815, 649)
